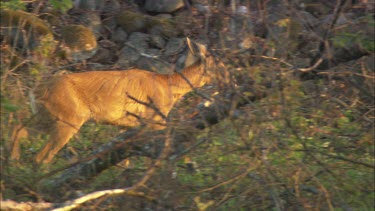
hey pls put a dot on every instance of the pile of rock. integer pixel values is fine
(150, 34)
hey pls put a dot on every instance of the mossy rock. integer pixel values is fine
(165, 27)
(27, 21)
(136, 22)
(78, 38)
(79, 42)
(132, 22)
(23, 29)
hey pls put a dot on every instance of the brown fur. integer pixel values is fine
(114, 97)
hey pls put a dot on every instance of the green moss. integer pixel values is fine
(135, 22)
(167, 27)
(131, 21)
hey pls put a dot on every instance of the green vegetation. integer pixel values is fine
(348, 36)
(62, 5)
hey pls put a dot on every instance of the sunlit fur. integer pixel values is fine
(68, 101)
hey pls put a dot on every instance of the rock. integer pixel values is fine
(106, 53)
(109, 23)
(139, 41)
(343, 19)
(136, 22)
(163, 6)
(109, 7)
(102, 55)
(132, 22)
(105, 6)
(157, 41)
(194, 2)
(242, 10)
(92, 21)
(155, 65)
(202, 9)
(243, 24)
(287, 32)
(78, 41)
(174, 46)
(78, 37)
(153, 52)
(119, 36)
(350, 42)
(306, 17)
(316, 9)
(163, 27)
(127, 57)
(138, 54)
(355, 71)
(369, 62)
(140, 3)
(107, 44)
(85, 5)
(136, 45)
(50, 16)
(164, 15)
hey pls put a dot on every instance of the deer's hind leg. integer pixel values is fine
(60, 135)
(19, 132)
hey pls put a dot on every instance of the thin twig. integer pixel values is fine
(188, 149)
(150, 105)
(317, 63)
(193, 88)
(233, 179)
(341, 158)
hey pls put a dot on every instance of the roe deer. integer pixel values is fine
(114, 97)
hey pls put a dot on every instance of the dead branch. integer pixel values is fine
(149, 104)
(22, 206)
(69, 205)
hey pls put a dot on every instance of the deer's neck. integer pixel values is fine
(191, 77)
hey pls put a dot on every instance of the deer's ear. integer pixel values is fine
(190, 45)
(196, 49)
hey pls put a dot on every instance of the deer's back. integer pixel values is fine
(104, 95)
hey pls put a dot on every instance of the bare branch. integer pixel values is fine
(317, 63)
(69, 205)
(12, 205)
(150, 105)
(194, 89)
